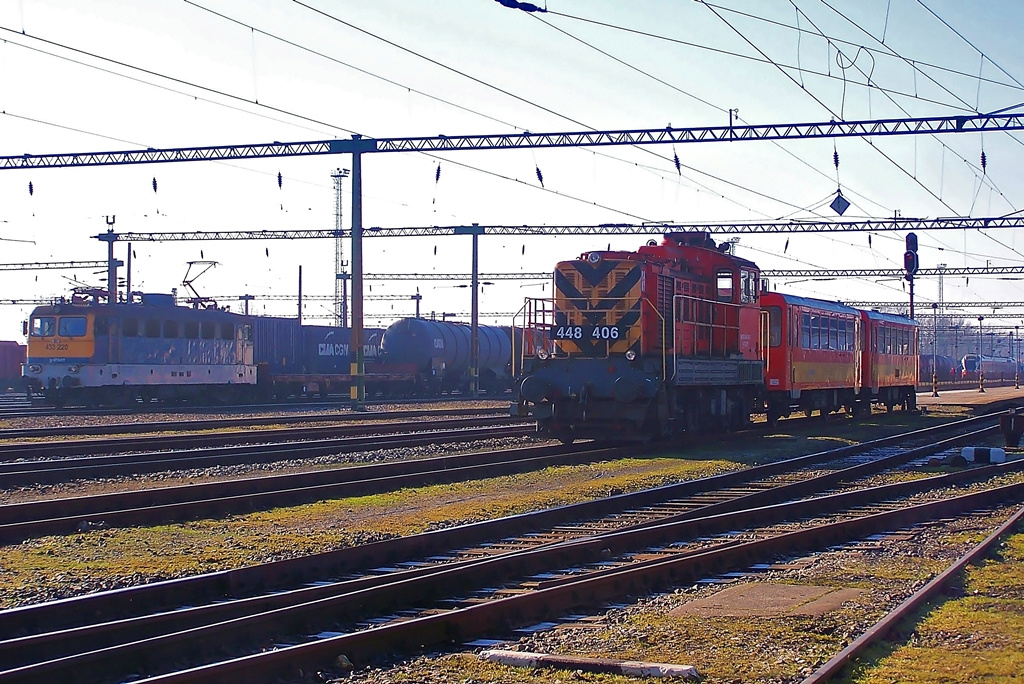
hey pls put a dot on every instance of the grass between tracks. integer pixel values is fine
(976, 635)
(58, 566)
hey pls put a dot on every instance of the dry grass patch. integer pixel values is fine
(58, 566)
(977, 637)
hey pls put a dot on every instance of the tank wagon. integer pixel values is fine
(12, 356)
(683, 337)
(439, 353)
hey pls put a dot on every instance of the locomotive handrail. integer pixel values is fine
(664, 352)
(708, 325)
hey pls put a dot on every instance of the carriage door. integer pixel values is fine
(113, 340)
(245, 353)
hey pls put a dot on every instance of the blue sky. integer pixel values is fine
(105, 75)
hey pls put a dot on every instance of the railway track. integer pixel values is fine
(17, 406)
(407, 593)
(7, 434)
(33, 463)
(914, 603)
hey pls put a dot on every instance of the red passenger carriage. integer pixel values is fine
(889, 360)
(813, 360)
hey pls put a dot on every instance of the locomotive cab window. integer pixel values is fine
(44, 326)
(208, 330)
(724, 284)
(748, 287)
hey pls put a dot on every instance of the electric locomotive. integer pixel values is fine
(643, 344)
(86, 352)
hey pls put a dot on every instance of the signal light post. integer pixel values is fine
(910, 265)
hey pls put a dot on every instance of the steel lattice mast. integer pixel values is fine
(741, 228)
(508, 141)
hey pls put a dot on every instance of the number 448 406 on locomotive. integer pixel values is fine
(683, 337)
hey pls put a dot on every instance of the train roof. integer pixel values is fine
(809, 302)
(890, 318)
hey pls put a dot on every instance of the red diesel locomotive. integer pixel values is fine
(677, 337)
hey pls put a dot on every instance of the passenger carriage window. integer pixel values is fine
(814, 332)
(44, 326)
(172, 330)
(130, 328)
(192, 330)
(152, 327)
(774, 326)
(227, 331)
(72, 326)
(208, 330)
(805, 331)
(833, 333)
(851, 335)
(724, 283)
(842, 334)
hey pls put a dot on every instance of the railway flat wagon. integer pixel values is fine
(315, 360)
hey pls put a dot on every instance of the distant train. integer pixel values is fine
(12, 356)
(992, 367)
(86, 352)
(682, 337)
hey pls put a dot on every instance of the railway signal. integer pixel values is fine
(910, 265)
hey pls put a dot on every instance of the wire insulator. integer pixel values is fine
(835, 158)
(679, 167)
(154, 184)
(280, 180)
(30, 189)
(540, 176)
(437, 174)
(984, 161)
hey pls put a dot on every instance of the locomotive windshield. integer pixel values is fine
(44, 326)
(72, 326)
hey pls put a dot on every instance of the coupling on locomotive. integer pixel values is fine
(683, 336)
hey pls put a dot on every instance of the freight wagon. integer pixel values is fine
(12, 356)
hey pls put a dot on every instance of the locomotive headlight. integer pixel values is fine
(543, 354)
(630, 355)
(35, 369)
(73, 369)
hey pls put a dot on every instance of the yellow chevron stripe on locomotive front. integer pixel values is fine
(597, 306)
